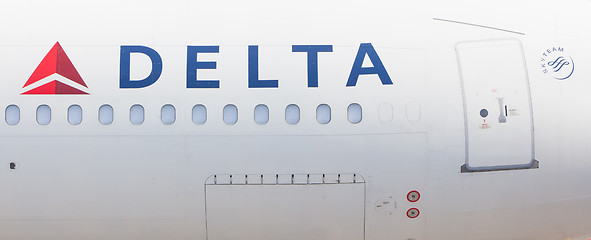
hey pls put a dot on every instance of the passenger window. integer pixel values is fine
(230, 114)
(199, 114)
(106, 114)
(75, 115)
(292, 114)
(12, 115)
(43, 115)
(354, 113)
(136, 114)
(261, 114)
(323, 114)
(168, 114)
(386, 112)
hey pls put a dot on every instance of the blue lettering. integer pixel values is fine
(312, 51)
(378, 68)
(253, 71)
(124, 71)
(193, 65)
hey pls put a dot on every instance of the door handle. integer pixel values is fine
(503, 110)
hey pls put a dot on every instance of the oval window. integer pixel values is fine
(43, 114)
(75, 115)
(261, 114)
(354, 113)
(12, 115)
(199, 114)
(168, 114)
(106, 114)
(323, 114)
(292, 114)
(230, 114)
(136, 114)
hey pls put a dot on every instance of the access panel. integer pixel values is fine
(285, 207)
(497, 106)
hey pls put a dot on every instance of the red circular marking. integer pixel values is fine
(411, 192)
(410, 210)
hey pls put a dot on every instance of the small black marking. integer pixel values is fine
(12, 165)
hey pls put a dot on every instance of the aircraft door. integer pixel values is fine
(497, 106)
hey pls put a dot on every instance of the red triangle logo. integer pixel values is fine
(56, 61)
(54, 87)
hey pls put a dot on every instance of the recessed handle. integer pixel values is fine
(502, 108)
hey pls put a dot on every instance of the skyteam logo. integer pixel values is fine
(55, 75)
(556, 62)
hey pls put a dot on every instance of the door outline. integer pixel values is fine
(466, 168)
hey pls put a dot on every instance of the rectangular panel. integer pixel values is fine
(497, 105)
(286, 212)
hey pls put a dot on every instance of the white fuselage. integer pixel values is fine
(396, 106)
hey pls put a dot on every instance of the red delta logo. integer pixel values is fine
(55, 75)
